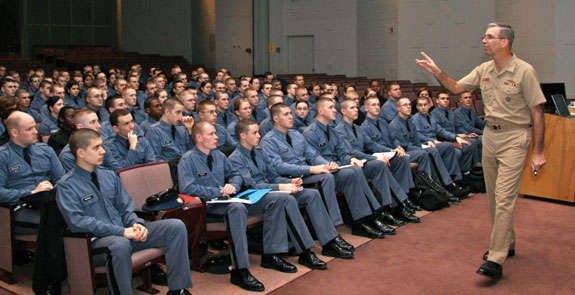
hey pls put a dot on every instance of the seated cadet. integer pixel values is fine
(466, 116)
(360, 109)
(73, 97)
(115, 102)
(268, 124)
(205, 92)
(302, 94)
(322, 136)
(168, 137)
(9, 87)
(40, 98)
(243, 111)
(301, 118)
(289, 98)
(92, 200)
(189, 97)
(27, 167)
(206, 172)
(259, 111)
(404, 134)
(131, 98)
(389, 108)
(378, 139)
(50, 121)
(292, 155)
(428, 131)
(95, 102)
(353, 136)
(153, 109)
(257, 172)
(470, 123)
(84, 118)
(222, 102)
(60, 139)
(128, 148)
(447, 120)
(23, 98)
(207, 112)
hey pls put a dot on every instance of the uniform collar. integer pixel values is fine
(18, 149)
(510, 67)
(244, 150)
(320, 125)
(85, 174)
(122, 141)
(279, 133)
(197, 151)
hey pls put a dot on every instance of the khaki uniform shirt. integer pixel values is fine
(509, 95)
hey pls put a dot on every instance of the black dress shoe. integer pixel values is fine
(308, 258)
(159, 277)
(344, 244)
(412, 205)
(389, 219)
(365, 230)
(332, 249)
(243, 278)
(23, 257)
(275, 262)
(384, 228)
(454, 200)
(511, 253)
(457, 191)
(407, 216)
(491, 269)
(177, 292)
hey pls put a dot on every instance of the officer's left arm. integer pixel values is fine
(537, 157)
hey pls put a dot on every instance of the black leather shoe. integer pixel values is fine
(511, 253)
(384, 228)
(389, 219)
(412, 205)
(244, 279)
(308, 258)
(407, 216)
(344, 244)
(491, 269)
(177, 292)
(23, 257)
(332, 249)
(275, 262)
(159, 277)
(365, 230)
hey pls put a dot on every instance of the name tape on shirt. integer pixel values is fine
(15, 168)
(88, 198)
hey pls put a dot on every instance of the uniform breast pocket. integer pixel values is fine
(405, 135)
(41, 166)
(486, 86)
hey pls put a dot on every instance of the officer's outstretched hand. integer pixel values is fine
(428, 64)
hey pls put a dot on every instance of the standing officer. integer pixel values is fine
(513, 104)
(93, 200)
(254, 167)
(206, 172)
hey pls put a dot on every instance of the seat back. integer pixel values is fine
(78, 252)
(6, 237)
(144, 180)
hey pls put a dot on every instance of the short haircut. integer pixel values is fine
(21, 91)
(45, 83)
(148, 101)
(238, 103)
(243, 126)
(248, 90)
(111, 101)
(442, 92)
(63, 111)
(70, 84)
(12, 122)
(6, 81)
(344, 104)
(427, 99)
(264, 83)
(322, 101)
(365, 101)
(392, 84)
(218, 95)
(277, 109)
(80, 114)
(273, 100)
(81, 138)
(505, 31)
(170, 103)
(125, 90)
(203, 105)
(300, 102)
(116, 114)
(198, 128)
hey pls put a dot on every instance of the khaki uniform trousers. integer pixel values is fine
(504, 154)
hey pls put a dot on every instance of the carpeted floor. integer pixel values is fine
(438, 256)
(441, 255)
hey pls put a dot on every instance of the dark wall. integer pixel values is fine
(10, 26)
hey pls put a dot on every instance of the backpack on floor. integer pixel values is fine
(428, 199)
(425, 181)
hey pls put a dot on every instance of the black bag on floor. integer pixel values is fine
(424, 180)
(428, 199)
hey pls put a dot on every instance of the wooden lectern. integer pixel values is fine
(557, 178)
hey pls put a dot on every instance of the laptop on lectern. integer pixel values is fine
(561, 105)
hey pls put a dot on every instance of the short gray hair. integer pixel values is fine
(505, 31)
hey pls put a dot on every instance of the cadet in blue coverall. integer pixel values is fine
(206, 172)
(92, 200)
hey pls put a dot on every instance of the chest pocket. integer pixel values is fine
(42, 166)
(167, 142)
(375, 136)
(511, 90)
(406, 135)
